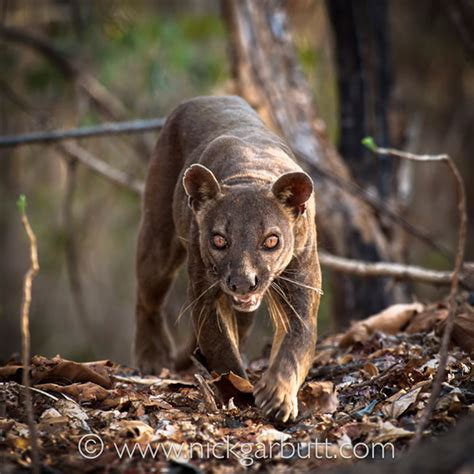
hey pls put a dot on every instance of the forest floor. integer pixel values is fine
(362, 400)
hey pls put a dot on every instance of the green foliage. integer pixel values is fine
(309, 57)
(21, 203)
(159, 57)
(369, 143)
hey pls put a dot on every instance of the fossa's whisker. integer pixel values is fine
(194, 301)
(303, 285)
(276, 314)
(283, 295)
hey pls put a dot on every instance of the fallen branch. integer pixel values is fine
(111, 128)
(25, 330)
(461, 244)
(102, 168)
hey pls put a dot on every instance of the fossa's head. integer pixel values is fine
(246, 233)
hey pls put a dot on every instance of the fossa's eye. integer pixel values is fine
(219, 242)
(271, 242)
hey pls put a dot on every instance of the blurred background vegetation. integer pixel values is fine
(151, 56)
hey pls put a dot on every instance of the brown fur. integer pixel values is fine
(218, 173)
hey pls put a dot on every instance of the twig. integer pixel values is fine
(25, 330)
(111, 128)
(46, 394)
(102, 168)
(384, 269)
(207, 394)
(461, 244)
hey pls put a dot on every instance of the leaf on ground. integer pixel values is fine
(78, 417)
(136, 431)
(11, 373)
(389, 321)
(318, 397)
(386, 432)
(399, 403)
(267, 435)
(51, 416)
(427, 320)
(450, 403)
(463, 330)
(81, 392)
(231, 385)
(370, 370)
(68, 372)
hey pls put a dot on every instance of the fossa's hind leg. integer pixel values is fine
(158, 260)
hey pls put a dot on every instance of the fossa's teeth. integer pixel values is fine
(245, 299)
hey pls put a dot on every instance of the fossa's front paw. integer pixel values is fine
(277, 397)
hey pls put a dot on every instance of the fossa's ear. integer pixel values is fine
(293, 190)
(200, 185)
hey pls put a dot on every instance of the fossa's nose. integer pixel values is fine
(242, 284)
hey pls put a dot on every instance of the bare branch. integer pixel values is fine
(111, 128)
(461, 244)
(102, 168)
(384, 269)
(25, 330)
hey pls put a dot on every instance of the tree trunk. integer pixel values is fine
(268, 76)
(364, 78)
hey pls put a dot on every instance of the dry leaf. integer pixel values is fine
(427, 320)
(400, 402)
(389, 321)
(70, 372)
(370, 370)
(387, 432)
(450, 402)
(78, 418)
(136, 431)
(318, 397)
(81, 392)
(11, 372)
(463, 330)
(233, 386)
(271, 434)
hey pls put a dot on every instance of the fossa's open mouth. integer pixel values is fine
(246, 303)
